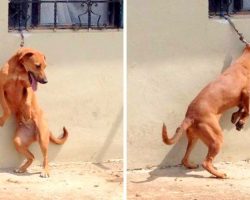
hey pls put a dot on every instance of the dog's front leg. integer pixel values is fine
(27, 107)
(6, 109)
(245, 97)
(43, 138)
(237, 115)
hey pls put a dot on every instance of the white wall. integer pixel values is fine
(174, 51)
(84, 91)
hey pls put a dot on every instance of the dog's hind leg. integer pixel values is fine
(22, 143)
(44, 144)
(192, 140)
(30, 157)
(212, 136)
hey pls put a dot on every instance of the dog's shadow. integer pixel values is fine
(166, 168)
(175, 171)
(12, 171)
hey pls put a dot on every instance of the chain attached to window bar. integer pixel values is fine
(242, 39)
(22, 39)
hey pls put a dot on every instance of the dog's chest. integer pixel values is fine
(15, 92)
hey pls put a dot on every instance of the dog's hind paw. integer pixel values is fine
(225, 176)
(189, 165)
(19, 170)
(44, 175)
(222, 176)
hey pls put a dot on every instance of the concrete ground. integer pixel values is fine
(69, 181)
(174, 183)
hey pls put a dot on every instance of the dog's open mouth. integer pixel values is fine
(33, 81)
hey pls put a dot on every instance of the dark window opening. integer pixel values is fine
(228, 7)
(63, 14)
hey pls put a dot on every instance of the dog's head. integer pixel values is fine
(34, 64)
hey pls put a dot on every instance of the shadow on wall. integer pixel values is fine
(8, 155)
(227, 61)
(108, 141)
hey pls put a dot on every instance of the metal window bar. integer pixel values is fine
(225, 7)
(26, 14)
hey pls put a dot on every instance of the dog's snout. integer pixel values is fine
(44, 80)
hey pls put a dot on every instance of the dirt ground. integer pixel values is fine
(179, 183)
(69, 181)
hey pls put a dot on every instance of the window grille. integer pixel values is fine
(228, 7)
(65, 14)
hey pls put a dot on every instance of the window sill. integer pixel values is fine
(42, 30)
(238, 15)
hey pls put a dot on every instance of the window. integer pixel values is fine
(228, 7)
(61, 14)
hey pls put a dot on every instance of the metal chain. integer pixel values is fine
(22, 39)
(242, 39)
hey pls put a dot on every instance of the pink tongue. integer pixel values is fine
(33, 83)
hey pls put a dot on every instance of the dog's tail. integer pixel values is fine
(61, 139)
(178, 133)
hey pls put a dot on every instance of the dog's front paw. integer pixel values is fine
(239, 125)
(235, 117)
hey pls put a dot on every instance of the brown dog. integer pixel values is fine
(230, 89)
(18, 81)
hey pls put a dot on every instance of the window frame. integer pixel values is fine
(219, 8)
(115, 15)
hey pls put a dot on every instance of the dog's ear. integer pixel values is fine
(24, 53)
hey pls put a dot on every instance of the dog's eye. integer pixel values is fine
(38, 66)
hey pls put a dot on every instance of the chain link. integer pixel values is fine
(22, 39)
